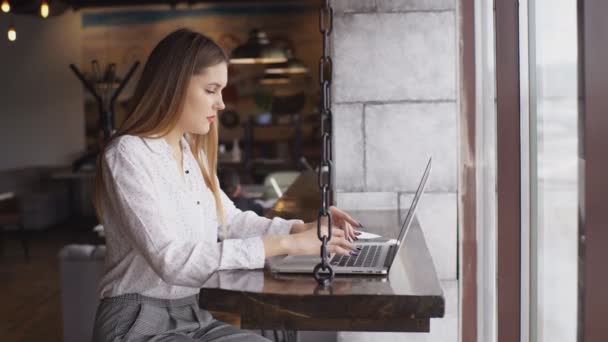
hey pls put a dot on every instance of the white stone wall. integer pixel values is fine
(395, 103)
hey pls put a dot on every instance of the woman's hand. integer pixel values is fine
(307, 243)
(303, 238)
(340, 219)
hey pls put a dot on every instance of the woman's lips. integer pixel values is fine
(211, 118)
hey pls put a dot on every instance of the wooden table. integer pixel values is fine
(405, 300)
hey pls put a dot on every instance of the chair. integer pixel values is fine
(11, 214)
(281, 179)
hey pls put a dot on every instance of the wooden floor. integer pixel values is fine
(29, 291)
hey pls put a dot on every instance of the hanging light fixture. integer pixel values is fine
(12, 33)
(274, 79)
(44, 9)
(6, 6)
(257, 50)
(291, 67)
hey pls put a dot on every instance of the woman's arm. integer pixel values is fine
(244, 224)
(247, 224)
(281, 237)
(306, 243)
(178, 261)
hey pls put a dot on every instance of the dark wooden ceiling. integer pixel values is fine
(106, 3)
(59, 6)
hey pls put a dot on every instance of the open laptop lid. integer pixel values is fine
(412, 210)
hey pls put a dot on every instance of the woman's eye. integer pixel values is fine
(210, 92)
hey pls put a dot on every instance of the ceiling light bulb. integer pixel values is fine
(12, 33)
(6, 6)
(44, 9)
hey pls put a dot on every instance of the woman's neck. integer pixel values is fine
(173, 139)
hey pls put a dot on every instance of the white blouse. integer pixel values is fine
(161, 224)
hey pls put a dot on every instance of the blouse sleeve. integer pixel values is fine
(247, 224)
(178, 261)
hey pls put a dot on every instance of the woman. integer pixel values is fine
(168, 225)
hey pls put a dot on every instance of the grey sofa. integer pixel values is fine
(44, 201)
(81, 268)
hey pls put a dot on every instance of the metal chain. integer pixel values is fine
(323, 272)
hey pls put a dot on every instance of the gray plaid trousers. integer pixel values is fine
(136, 318)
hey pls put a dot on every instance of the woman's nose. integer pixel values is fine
(220, 105)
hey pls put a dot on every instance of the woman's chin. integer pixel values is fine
(201, 130)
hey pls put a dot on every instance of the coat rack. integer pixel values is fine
(105, 88)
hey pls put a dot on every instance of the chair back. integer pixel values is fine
(282, 178)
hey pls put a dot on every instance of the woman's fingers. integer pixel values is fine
(338, 250)
(347, 231)
(339, 214)
(345, 222)
(337, 232)
(350, 232)
(341, 242)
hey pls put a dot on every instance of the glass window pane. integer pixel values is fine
(553, 181)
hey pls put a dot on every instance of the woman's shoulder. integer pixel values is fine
(129, 145)
(130, 154)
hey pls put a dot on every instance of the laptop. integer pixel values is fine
(373, 259)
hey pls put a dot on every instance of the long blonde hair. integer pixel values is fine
(159, 99)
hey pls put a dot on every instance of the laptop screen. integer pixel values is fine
(412, 209)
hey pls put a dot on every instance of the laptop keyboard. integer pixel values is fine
(367, 257)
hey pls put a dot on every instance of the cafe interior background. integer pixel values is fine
(397, 99)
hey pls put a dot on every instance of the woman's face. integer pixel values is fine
(204, 100)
